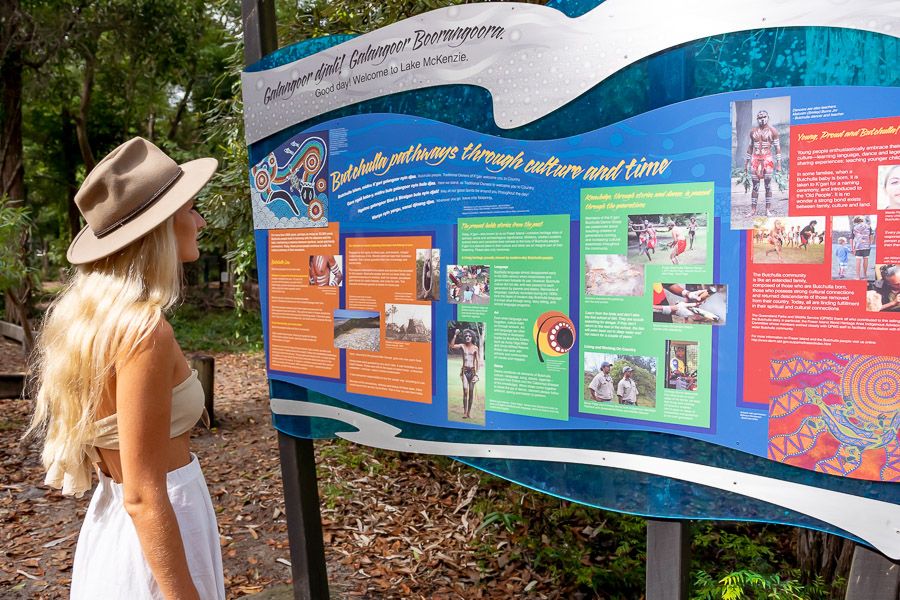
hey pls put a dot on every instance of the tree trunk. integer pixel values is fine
(182, 104)
(822, 554)
(12, 166)
(70, 151)
(12, 169)
(151, 126)
(87, 88)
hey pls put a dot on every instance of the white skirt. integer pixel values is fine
(109, 562)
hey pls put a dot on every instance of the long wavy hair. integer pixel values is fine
(105, 311)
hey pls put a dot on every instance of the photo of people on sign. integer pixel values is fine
(760, 140)
(465, 372)
(357, 330)
(612, 275)
(468, 284)
(407, 322)
(853, 248)
(889, 187)
(793, 240)
(619, 379)
(428, 274)
(689, 303)
(668, 239)
(883, 294)
(326, 270)
(681, 365)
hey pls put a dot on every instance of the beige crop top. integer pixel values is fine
(188, 407)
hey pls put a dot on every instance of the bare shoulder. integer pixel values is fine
(154, 355)
(160, 341)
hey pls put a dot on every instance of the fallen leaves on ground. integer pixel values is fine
(395, 526)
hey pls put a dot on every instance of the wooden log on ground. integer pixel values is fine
(206, 370)
(12, 385)
(13, 332)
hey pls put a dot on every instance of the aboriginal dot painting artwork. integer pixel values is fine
(837, 414)
(289, 188)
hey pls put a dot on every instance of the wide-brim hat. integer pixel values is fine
(133, 190)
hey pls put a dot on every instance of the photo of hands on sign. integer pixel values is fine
(688, 303)
(883, 294)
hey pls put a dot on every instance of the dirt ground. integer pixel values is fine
(742, 217)
(395, 526)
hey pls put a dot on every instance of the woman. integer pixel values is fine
(806, 234)
(115, 391)
(776, 239)
(862, 246)
(891, 188)
(468, 374)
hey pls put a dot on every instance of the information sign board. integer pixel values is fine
(657, 285)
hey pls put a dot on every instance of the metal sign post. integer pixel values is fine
(298, 459)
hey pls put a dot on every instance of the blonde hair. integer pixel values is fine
(106, 310)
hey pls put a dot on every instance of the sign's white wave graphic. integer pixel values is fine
(874, 521)
(533, 59)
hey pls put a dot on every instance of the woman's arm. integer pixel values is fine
(144, 405)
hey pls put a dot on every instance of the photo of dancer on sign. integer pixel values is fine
(326, 270)
(760, 132)
(677, 239)
(793, 240)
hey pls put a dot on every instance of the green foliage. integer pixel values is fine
(14, 225)
(305, 20)
(749, 585)
(746, 561)
(225, 203)
(782, 179)
(508, 520)
(216, 330)
(115, 69)
(741, 176)
(594, 551)
(332, 494)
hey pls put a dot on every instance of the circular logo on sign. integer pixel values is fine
(316, 210)
(554, 334)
